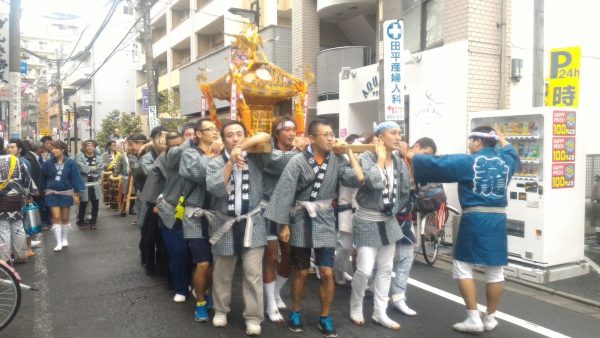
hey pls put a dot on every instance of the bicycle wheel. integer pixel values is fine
(10, 296)
(430, 238)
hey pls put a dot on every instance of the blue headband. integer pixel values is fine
(385, 125)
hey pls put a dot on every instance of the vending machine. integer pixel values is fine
(546, 196)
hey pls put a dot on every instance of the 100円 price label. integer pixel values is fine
(563, 175)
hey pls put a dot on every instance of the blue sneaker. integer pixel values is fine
(295, 322)
(201, 314)
(326, 326)
(209, 301)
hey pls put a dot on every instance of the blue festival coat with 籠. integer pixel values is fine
(482, 182)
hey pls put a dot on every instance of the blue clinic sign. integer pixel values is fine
(393, 70)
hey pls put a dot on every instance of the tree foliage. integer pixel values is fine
(169, 110)
(116, 119)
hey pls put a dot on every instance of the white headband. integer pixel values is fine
(478, 134)
(286, 124)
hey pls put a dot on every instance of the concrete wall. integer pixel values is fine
(484, 87)
(306, 42)
(114, 84)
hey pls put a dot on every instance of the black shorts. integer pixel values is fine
(200, 248)
(300, 257)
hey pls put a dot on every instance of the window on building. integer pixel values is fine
(127, 10)
(423, 24)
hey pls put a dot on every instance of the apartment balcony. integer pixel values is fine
(168, 80)
(342, 10)
(329, 66)
(82, 98)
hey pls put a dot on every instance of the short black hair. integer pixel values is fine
(16, 141)
(188, 126)
(426, 142)
(26, 146)
(156, 131)
(232, 122)
(198, 126)
(46, 138)
(109, 143)
(351, 138)
(137, 137)
(312, 127)
(486, 142)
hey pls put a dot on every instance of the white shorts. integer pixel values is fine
(464, 270)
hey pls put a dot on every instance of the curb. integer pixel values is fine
(546, 289)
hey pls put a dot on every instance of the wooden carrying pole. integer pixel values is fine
(266, 148)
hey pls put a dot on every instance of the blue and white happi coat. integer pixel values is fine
(483, 180)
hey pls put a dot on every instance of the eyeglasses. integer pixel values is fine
(326, 135)
(213, 129)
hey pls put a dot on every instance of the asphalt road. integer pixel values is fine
(97, 288)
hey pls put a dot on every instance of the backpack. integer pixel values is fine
(430, 197)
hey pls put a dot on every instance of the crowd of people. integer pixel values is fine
(206, 199)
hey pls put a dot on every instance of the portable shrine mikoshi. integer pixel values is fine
(254, 86)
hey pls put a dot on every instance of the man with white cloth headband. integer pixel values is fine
(482, 178)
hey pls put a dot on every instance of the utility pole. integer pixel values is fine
(14, 50)
(61, 132)
(143, 8)
(74, 149)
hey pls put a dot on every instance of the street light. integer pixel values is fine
(253, 12)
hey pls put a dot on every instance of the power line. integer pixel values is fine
(86, 50)
(110, 55)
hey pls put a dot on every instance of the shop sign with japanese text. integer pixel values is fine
(4, 76)
(562, 84)
(563, 123)
(563, 175)
(563, 149)
(393, 71)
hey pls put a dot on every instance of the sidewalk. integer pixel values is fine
(585, 289)
(588, 286)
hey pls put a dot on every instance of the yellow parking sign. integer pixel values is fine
(562, 84)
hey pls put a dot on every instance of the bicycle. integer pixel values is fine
(10, 293)
(432, 230)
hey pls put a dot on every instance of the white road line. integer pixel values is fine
(500, 315)
(592, 264)
(41, 314)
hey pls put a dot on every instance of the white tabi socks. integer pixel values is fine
(56, 230)
(64, 233)
(473, 323)
(272, 311)
(279, 283)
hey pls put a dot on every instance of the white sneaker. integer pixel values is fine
(35, 244)
(280, 303)
(179, 298)
(469, 325)
(253, 329)
(220, 319)
(489, 322)
(385, 321)
(401, 306)
(274, 316)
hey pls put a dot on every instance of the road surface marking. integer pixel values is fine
(592, 264)
(500, 315)
(41, 314)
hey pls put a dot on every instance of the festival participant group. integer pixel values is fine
(207, 201)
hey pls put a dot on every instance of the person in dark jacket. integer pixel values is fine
(62, 185)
